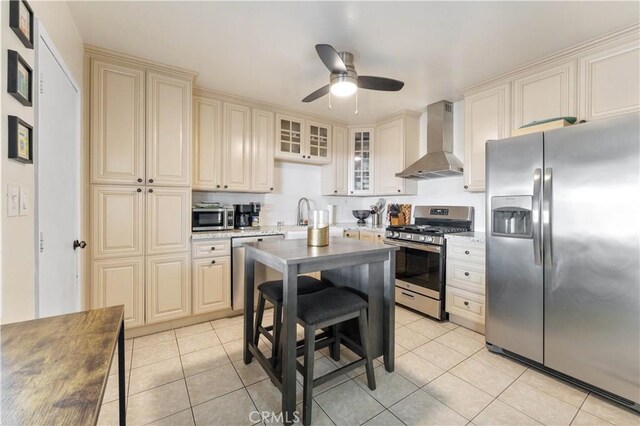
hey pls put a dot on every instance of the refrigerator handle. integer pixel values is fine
(536, 210)
(546, 215)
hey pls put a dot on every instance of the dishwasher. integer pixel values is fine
(262, 272)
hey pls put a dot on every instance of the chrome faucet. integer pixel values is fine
(300, 215)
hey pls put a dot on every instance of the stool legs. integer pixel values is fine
(334, 349)
(259, 315)
(277, 329)
(309, 351)
(364, 341)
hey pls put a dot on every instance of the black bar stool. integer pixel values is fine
(323, 309)
(272, 291)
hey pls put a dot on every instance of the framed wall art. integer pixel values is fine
(21, 21)
(19, 78)
(20, 140)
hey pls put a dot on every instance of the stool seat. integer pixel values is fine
(327, 304)
(274, 290)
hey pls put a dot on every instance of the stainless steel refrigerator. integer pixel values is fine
(563, 253)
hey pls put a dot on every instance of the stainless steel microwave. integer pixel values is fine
(211, 219)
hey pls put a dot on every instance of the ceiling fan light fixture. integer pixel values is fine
(343, 85)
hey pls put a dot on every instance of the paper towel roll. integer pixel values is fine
(332, 214)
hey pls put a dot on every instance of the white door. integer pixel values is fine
(58, 176)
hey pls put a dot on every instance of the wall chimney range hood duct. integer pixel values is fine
(439, 160)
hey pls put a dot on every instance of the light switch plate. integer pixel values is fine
(13, 200)
(25, 201)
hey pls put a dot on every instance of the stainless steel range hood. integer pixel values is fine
(439, 160)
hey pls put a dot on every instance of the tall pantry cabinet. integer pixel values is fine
(140, 175)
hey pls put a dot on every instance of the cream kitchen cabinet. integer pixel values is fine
(544, 93)
(168, 220)
(168, 160)
(121, 282)
(207, 144)
(335, 176)
(396, 147)
(262, 151)
(360, 161)
(211, 284)
(117, 129)
(168, 287)
(233, 147)
(236, 148)
(117, 221)
(466, 287)
(487, 117)
(609, 81)
(139, 125)
(302, 141)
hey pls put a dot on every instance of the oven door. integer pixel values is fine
(208, 219)
(420, 268)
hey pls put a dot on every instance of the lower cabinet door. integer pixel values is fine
(211, 284)
(168, 289)
(120, 282)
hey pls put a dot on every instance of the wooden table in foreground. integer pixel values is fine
(54, 370)
(364, 266)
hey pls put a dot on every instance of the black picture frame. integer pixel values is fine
(13, 78)
(16, 152)
(14, 21)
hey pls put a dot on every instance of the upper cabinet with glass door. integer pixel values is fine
(302, 141)
(360, 163)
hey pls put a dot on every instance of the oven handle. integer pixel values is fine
(422, 247)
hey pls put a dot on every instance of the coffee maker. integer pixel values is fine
(255, 215)
(242, 216)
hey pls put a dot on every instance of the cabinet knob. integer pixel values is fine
(352, 192)
(270, 189)
(335, 191)
(226, 186)
(150, 180)
(466, 187)
(399, 190)
(213, 248)
(139, 180)
(150, 190)
(139, 189)
(217, 186)
(466, 303)
(466, 252)
(213, 261)
(466, 274)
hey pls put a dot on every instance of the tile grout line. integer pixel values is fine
(184, 377)
(580, 408)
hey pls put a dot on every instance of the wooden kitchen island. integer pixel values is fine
(366, 267)
(54, 370)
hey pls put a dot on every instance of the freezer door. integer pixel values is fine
(514, 267)
(592, 267)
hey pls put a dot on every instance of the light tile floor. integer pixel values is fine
(444, 376)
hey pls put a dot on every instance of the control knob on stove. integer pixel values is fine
(427, 239)
(395, 234)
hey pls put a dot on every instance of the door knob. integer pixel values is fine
(80, 244)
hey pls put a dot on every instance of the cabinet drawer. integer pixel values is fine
(465, 304)
(352, 234)
(212, 248)
(465, 251)
(467, 276)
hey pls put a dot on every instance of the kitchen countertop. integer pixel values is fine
(474, 237)
(271, 229)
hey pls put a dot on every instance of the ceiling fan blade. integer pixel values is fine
(379, 83)
(330, 58)
(317, 94)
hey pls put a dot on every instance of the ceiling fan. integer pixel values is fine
(344, 80)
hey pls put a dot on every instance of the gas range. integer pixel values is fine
(432, 223)
(421, 257)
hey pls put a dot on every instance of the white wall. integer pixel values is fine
(18, 233)
(293, 181)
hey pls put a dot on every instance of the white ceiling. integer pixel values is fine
(265, 50)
